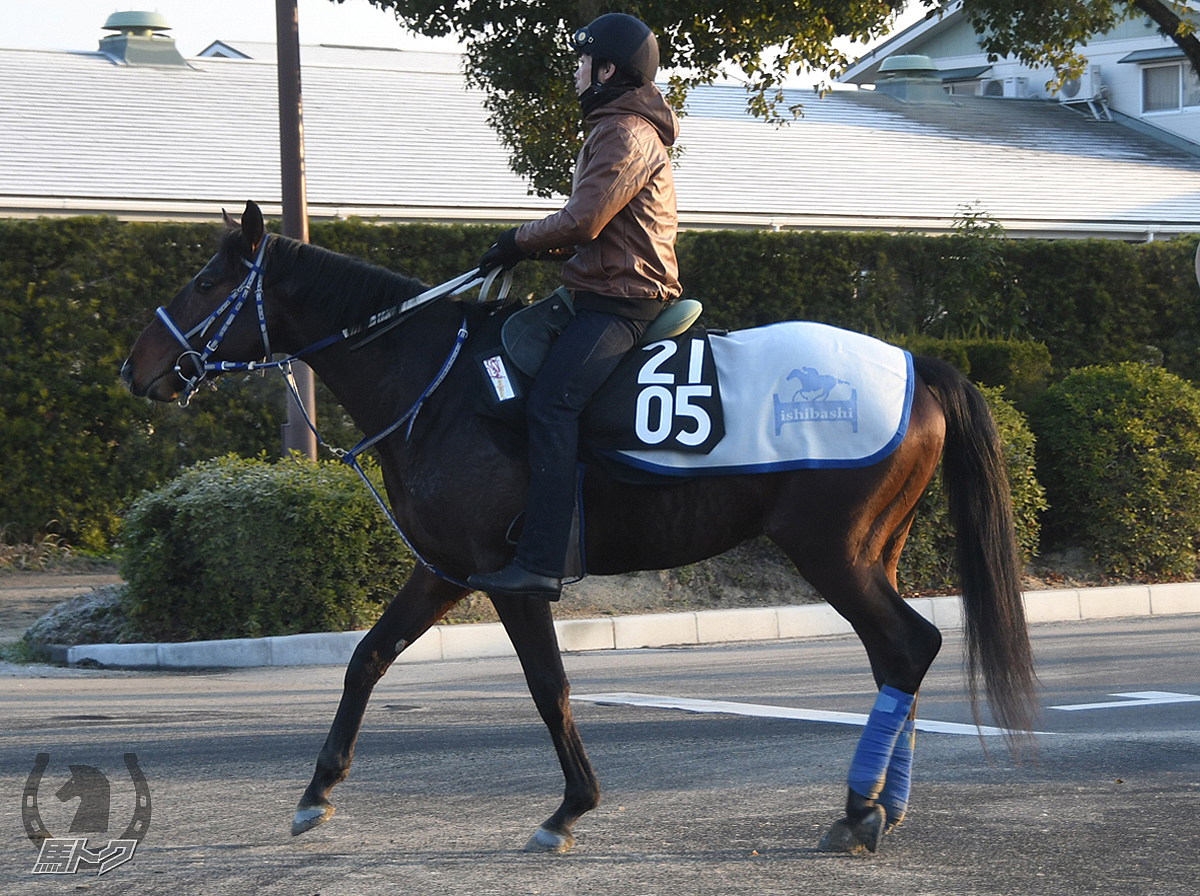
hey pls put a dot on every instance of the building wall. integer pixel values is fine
(958, 47)
(955, 42)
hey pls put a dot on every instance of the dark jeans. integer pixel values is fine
(579, 362)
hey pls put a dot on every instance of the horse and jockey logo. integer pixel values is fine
(67, 855)
(811, 402)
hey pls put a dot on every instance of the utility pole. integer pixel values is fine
(297, 436)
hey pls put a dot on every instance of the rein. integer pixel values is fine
(253, 284)
(380, 323)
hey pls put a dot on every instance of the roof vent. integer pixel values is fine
(911, 79)
(138, 41)
(907, 66)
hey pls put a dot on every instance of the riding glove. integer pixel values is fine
(503, 253)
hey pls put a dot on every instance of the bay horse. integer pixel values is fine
(455, 481)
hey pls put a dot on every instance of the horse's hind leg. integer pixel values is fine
(901, 645)
(422, 601)
(531, 627)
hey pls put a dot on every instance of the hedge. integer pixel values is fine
(1120, 453)
(74, 293)
(1020, 367)
(77, 448)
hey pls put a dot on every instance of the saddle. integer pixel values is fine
(787, 396)
(672, 356)
(528, 334)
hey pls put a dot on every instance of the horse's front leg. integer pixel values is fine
(422, 601)
(530, 626)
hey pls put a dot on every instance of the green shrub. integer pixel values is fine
(1119, 454)
(927, 563)
(952, 351)
(243, 548)
(1022, 367)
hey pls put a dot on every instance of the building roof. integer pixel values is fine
(395, 135)
(865, 69)
(1157, 54)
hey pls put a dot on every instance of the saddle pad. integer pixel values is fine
(798, 395)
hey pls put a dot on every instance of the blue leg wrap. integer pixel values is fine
(869, 769)
(894, 798)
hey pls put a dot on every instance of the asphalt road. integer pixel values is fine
(454, 771)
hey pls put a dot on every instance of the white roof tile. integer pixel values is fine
(397, 135)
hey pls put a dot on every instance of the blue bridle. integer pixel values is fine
(233, 304)
(253, 285)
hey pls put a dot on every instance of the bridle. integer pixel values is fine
(231, 308)
(377, 325)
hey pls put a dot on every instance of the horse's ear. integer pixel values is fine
(253, 228)
(230, 224)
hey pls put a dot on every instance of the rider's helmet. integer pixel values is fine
(625, 41)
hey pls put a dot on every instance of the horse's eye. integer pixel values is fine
(204, 284)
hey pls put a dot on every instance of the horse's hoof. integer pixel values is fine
(546, 840)
(855, 837)
(892, 824)
(308, 817)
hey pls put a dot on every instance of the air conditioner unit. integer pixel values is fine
(1013, 88)
(1081, 89)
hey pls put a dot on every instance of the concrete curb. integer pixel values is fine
(460, 642)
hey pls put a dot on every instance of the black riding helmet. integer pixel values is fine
(624, 41)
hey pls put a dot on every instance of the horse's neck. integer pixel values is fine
(383, 379)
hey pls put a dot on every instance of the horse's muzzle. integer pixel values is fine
(144, 389)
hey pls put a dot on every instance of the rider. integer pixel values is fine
(620, 220)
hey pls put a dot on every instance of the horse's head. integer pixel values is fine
(215, 317)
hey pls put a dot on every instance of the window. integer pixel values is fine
(963, 88)
(1169, 88)
(1191, 87)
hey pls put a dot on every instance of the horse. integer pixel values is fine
(456, 479)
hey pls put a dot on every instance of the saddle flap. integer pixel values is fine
(528, 334)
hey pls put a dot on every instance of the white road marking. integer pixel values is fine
(1137, 698)
(763, 711)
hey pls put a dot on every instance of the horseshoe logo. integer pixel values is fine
(32, 818)
(29, 808)
(141, 810)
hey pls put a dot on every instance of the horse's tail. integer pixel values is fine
(976, 482)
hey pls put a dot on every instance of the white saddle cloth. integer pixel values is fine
(798, 395)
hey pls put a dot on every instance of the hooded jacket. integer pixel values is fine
(621, 217)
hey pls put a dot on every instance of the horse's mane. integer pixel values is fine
(346, 290)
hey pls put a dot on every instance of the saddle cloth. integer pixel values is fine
(794, 395)
(786, 396)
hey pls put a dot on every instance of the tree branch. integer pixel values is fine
(1170, 25)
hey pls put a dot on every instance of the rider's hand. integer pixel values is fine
(503, 253)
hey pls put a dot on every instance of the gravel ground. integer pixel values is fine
(27, 596)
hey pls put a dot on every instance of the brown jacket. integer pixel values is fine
(621, 217)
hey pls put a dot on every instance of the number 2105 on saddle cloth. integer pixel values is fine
(793, 395)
